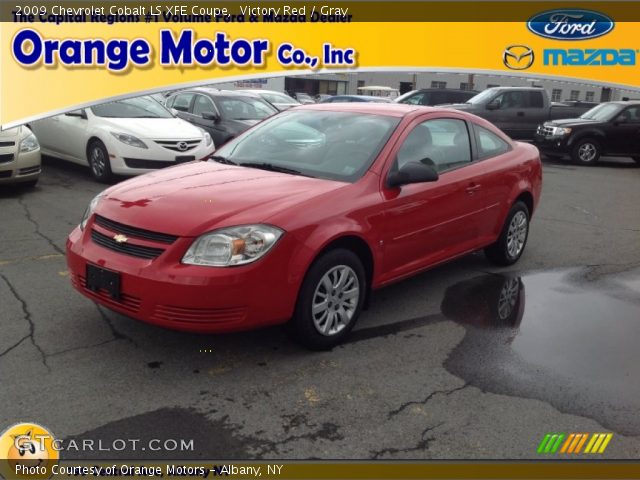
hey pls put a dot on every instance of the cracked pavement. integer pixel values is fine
(429, 373)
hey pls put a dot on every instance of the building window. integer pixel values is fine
(556, 95)
(590, 96)
(575, 95)
(465, 86)
(492, 85)
(435, 84)
(360, 83)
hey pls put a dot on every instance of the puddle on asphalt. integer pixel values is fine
(556, 336)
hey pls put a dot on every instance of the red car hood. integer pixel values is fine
(192, 199)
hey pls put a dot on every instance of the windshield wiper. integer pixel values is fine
(221, 159)
(271, 167)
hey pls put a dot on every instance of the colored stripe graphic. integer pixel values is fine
(573, 443)
(551, 442)
(598, 443)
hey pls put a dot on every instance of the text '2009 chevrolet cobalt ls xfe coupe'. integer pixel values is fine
(302, 216)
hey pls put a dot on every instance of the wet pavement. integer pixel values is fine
(464, 361)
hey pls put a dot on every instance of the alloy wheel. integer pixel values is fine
(335, 300)
(98, 161)
(587, 152)
(508, 298)
(517, 234)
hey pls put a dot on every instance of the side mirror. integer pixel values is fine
(180, 108)
(493, 105)
(210, 116)
(412, 172)
(77, 113)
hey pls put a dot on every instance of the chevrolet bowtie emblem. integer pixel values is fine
(120, 238)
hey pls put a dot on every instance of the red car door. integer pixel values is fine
(425, 223)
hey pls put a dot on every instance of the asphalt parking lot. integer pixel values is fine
(430, 372)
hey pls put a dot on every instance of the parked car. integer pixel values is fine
(303, 98)
(611, 128)
(303, 215)
(435, 96)
(322, 96)
(223, 114)
(281, 101)
(355, 98)
(125, 137)
(517, 111)
(19, 157)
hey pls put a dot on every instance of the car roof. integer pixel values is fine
(216, 92)
(625, 102)
(388, 109)
(456, 90)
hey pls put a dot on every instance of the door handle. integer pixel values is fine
(473, 188)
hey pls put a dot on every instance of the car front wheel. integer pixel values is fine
(330, 300)
(513, 238)
(586, 152)
(99, 161)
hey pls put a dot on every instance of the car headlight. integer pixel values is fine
(560, 131)
(129, 140)
(207, 138)
(232, 246)
(29, 144)
(89, 211)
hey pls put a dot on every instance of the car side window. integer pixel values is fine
(631, 114)
(536, 100)
(442, 143)
(182, 101)
(489, 144)
(513, 99)
(203, 104)
(416, 99)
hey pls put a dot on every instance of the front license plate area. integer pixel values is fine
(101, 279)
(185, 158)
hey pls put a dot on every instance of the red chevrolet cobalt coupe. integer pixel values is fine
(301, 217)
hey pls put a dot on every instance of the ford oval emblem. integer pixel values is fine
(570, 24)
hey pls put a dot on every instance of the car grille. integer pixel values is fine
(199, 315)
(179, 145)
(7, 144)
(127, 302)
(155, 164)
(6, 157)
(139, 251)
(29, 170)
(545, 130)
(134, 231)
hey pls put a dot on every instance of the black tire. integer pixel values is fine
(99, 161)
(304, 324)
(586, 152)
(636, 159)
(502, 252)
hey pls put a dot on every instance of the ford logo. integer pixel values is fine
(570, 24)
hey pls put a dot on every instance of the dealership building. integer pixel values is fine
(560, 89)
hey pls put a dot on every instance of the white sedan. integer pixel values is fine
(125, 137)
(19, 157)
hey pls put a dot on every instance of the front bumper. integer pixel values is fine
(24, 167)
(167, 293)
(552, 144)
(127, 160)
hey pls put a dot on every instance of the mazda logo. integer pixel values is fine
(518, 57)
(182, 146)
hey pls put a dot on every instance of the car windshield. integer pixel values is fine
(603, 112)
(482, 96)
(141, 107)
(329, 145)
(277, 98)
(244, 108)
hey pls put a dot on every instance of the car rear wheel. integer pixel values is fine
(586, 152)
(330, 300)
(99, 161)
(513, 238)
